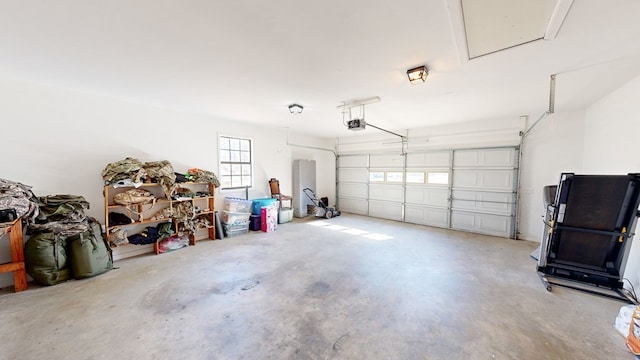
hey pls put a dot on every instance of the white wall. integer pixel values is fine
(59, 141)
(611, 146)
(552, 147)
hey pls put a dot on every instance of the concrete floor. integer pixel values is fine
(357, 288)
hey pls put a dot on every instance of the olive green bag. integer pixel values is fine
(89, 253)
(46, 258)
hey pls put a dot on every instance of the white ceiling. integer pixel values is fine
(247, 60)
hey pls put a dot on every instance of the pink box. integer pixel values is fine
(269, 218)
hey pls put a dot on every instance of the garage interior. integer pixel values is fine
(439, 178)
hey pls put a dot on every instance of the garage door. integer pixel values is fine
(427, 188)
(353, 178)
(471, 189)
(483, 193)
(386, 186)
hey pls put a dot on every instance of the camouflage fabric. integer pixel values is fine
(184, 214)
(62, 215)
(161, 172)
(69, 208)
(14, 195)
(61, 228)
(198, 175)
(129, 168)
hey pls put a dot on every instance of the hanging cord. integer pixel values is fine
(631, 293)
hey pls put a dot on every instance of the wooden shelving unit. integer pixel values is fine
(142, 215)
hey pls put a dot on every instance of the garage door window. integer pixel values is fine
(415, 177)
(441, 178)
(394, 176)
(376, 176)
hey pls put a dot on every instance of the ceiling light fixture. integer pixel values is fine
(417, 75)
(295, 109)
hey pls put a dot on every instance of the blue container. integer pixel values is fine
(259, 203)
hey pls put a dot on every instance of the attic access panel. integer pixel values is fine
(495, 25)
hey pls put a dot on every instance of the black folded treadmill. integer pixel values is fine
(588, 232)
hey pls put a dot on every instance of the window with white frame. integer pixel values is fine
(235, 162)
(441, 178)
(415, 177)
(376, 176)
(394, 176)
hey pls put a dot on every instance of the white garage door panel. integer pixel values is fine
(426, 216)
(353, 190)
(383, 161)
(480, 196)
(431, 159)
(385, 192)
(500, 203)
(485, 157)
(427, 196)
(355, 206)
(484, 179)
(386, 210)
(481, 223)
(352, 161)
(353, 175)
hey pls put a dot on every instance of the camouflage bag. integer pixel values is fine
(133, 196)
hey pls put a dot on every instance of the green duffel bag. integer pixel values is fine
(89, 254)
(46, 259)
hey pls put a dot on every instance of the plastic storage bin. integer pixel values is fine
(229, 217)
(237, 205)
(235, 229)
(260, 203)
(285, 215)
(255, 223)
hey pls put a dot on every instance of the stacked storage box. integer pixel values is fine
(269, 218)
(267, 210)
(235, 216)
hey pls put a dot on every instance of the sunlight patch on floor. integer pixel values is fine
(351, 231)
(318, 223)
(336, 227)
(376, 236)
(355, 231)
